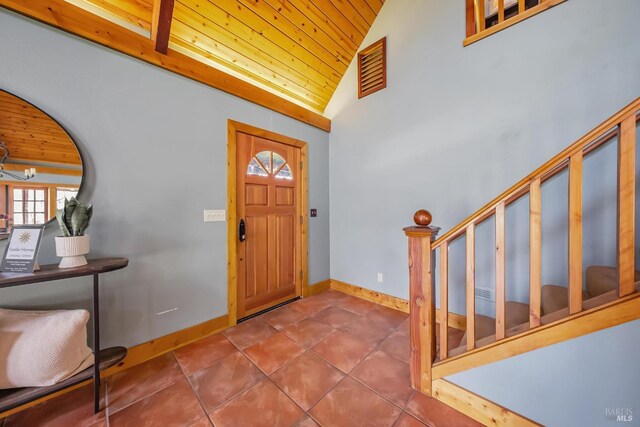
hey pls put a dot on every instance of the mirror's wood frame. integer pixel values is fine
(55, 135)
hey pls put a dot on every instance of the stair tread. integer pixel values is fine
(601, 279)
(554, 298)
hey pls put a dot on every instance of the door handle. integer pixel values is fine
(242, 232)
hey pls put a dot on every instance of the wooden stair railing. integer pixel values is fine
(423, 246)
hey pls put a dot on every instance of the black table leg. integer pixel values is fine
(96, 344)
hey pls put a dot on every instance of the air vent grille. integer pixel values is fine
(485, 293)
(372, 68)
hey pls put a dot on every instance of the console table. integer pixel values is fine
(104, 359)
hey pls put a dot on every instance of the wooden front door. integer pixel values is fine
(268, 182)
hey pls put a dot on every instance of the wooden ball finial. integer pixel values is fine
(422, 217)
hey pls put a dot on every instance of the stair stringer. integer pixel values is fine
(604, 316)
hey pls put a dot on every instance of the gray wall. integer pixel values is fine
(457, 126)
(154, 145)
(568, 384)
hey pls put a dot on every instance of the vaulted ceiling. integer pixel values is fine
(298, 49)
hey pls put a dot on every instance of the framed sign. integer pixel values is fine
(21, 253)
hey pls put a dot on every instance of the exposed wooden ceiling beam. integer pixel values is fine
(75, 20)
(161, 24)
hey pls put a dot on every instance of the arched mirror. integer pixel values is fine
(40, 165)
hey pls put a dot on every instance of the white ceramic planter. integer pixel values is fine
(72, 250)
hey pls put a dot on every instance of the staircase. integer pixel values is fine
(604, 297)
(601, 282)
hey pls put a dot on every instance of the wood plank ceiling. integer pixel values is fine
(298, 49)
(30, 134)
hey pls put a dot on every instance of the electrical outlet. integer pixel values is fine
(380, 278)
(214, 215)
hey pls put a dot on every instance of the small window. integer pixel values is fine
(64, 193)
(29, 205)
(372, 68)
(269, 163)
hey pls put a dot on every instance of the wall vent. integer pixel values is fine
(485, 293)
(372, 68)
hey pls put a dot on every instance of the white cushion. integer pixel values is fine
(41, 348)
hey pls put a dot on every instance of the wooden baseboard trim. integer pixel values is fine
(455, 320)
(316, 288)
(143, 352)
(480, 409)
(369, 295)
(615, 313)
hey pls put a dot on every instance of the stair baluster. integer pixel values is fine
(471, 286)
(444, 300)
(535, 253)
(575, 233)
(626, 206)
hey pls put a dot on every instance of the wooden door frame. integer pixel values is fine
(302, 263)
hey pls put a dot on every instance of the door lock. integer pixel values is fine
(242, 233)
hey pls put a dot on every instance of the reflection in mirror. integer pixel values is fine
(40, 165)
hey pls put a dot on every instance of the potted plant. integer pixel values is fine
(73, 245)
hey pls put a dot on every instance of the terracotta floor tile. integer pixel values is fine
(225, 379)
(282, 317)
(306, 421)
(397, 345)
(310, 305)
(387, 376)
(437, 414)
(72, 409)
(308, 331)
(331, 296)
(202, 422)
(352, 404)
(262, 405)
(335, 317)
(273, 352)
(355, 305)
(176, 405)
(127, 387)
(249, 332)
(366, 330)
(386, 315)
(404, 326)
(306, 379)
(203, 353)
(406, 420)
(342, 350)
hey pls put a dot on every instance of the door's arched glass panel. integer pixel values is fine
(278, 161)
(255, 169)
(265, 159)
(268, 163)
(284, 173)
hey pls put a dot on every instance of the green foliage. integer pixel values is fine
(74, 218)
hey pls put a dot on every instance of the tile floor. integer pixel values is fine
(330, 360)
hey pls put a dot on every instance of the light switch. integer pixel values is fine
(213, 215)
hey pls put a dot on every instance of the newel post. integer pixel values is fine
(422, 308)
